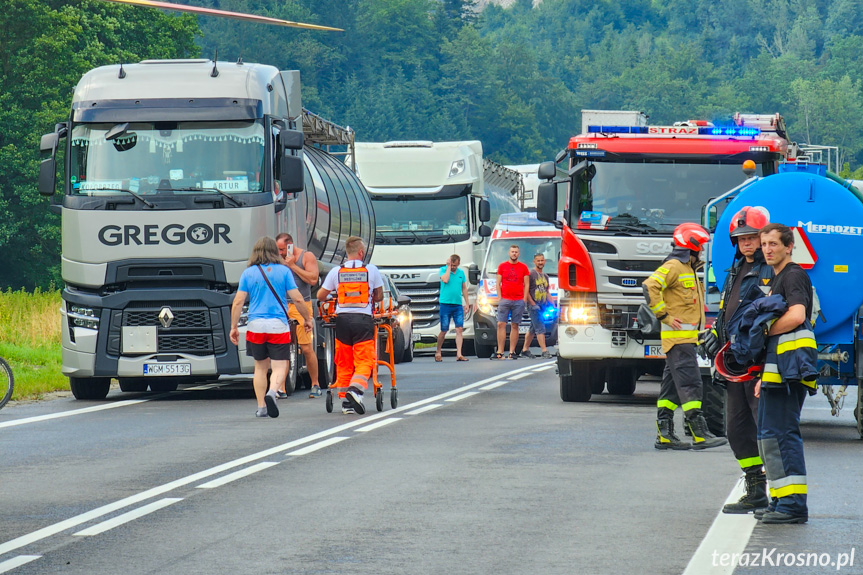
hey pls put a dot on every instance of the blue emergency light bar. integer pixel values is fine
(702, 130)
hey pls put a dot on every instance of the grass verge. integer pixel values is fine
(30, 341)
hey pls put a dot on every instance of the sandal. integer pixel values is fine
(513, 355)
(496, 356)
(461, 358)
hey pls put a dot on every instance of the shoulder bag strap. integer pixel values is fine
(266, 279)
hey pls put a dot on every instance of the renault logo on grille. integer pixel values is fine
(629, 282)
(166, 316)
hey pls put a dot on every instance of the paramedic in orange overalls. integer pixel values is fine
(356, 285)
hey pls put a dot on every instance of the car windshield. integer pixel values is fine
(655, 196)
(167, 157)
(407, 220)
(498, 252)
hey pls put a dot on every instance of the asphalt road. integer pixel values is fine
(481, 469)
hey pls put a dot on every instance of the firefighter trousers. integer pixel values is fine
(681, 382)
(355, 349)
(781, 446)
(741, 415)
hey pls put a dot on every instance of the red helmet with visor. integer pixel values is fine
(691, 236)
(748, 221)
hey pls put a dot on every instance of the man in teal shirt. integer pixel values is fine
(453, 290)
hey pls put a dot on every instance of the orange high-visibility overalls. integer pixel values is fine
(355, 332)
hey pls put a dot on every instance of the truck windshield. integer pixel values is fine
(167, 157)
(654, 197)
(406, 220)
(498, 252)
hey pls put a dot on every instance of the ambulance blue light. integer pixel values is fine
(729, 131)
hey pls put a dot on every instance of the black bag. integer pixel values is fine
(650, 326)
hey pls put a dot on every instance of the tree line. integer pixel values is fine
(514, 78)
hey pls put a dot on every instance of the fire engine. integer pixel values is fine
(629, 185)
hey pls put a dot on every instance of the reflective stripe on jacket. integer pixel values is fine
(792, 357)
(674, 289)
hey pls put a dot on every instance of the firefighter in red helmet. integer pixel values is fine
(676, 297)
(748, 279)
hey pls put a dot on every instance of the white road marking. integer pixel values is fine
(411, 409)
(729, 534)
(521, 375)
(545, 367)
(15, 562)
(237, 475)
(380, 423)
(115, 404)
(316, 446)
(494, 385)
(71, 412)
(127, 517)
(462, 396)
(424, 408)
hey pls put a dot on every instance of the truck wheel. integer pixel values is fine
(621, 380)
(577, 387)
(90, 387)
(597, 381)
(713, 406)
(482, 351)
(164, 384)
(327, 364)
(408, 355)
(133, 384)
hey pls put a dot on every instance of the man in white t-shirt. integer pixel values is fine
(356, 285)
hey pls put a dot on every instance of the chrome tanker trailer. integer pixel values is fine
(173, 169)
(826, 215)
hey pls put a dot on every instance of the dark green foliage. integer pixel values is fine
(514, 78)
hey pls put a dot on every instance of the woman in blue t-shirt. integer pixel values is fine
(265, 283)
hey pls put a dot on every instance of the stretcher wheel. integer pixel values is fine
(394, 398)
(379, 399)
(329, 401)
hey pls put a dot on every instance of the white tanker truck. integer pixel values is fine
(173, 169)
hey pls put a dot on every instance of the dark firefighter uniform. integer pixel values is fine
(790, 374)
(744, 284)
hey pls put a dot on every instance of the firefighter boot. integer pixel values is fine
(701, 436)
(665, 437)
(755, 497)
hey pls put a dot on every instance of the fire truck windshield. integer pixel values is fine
(654, 197)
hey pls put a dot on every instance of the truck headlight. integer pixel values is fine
(244, 316)
(581, 310)
(80, 316)
(483, 304)
(456, 168)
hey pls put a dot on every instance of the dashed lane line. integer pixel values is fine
(127, 517)
(522, 375)
(379, 424)
(425, 408)
(462, 396)
(411, 409)
(237, 475)
(16, 562)
(319, 445)
(494, 385)
(729, 533)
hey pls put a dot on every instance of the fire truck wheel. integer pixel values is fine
(90, 387)
(622, 380)
(713, 406)
(577, 387)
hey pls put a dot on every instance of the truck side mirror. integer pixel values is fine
(291, 140)
(546, 203)
(48, 166)
(473, 274)
(484, 231)
(546, 171)
(291, 175)
(484, 212)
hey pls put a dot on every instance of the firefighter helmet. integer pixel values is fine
(730, 369)
(748, 221)
(691, 236)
